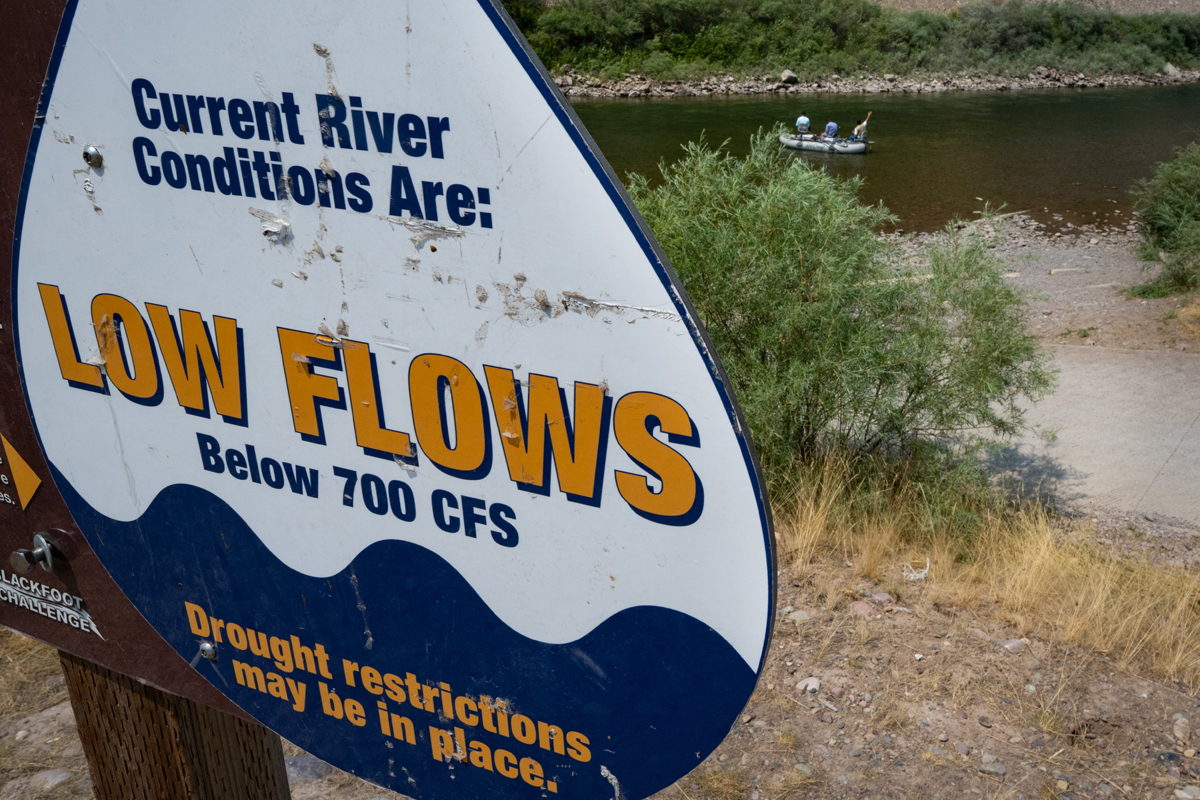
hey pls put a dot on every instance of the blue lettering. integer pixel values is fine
(173, 169)
(303, 190)
(437, 126)
(332, 113)
(302, 480)
(404, 194)
(411, 131)
(237, 464)
(382, 134)
(442, 499)
(360, 198)
(471, 507)
(225, 170)
(210, 453)
(406, 510)
(507, 536)
(272, 473)
(241, 119)
(430, 192)
(143, 90)
(143, 147)
(459, 197)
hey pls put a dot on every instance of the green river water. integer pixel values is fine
(1068, 152)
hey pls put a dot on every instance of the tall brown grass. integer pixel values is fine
(1046, 578)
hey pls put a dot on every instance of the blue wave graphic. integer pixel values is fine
(653, 690)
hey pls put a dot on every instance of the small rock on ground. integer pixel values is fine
(306, 768)
(33, 785)
(863, 608)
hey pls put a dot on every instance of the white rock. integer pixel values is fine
(1181, 730)
(48, 779)
(809, 685)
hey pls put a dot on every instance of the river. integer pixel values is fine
(1074, 153)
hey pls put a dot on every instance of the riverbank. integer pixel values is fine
(580, 85)
(1076, 278)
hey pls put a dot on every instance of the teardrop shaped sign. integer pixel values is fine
(355, 365)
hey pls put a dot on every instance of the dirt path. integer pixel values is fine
(1122, 431)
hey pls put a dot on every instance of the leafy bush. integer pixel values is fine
(826, 344)
(1169, 204)
(525, 13)
(817, 37)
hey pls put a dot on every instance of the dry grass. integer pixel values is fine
(1047, 583)
(28, 667)
(890, 715)
(792, 782)
(1189, 319)
(719, 784)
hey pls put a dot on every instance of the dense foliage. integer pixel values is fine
(827, 345)
(685, 38)
(1169, 204)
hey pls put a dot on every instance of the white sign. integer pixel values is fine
(348, 338)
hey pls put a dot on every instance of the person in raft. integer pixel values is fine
(830, 129)
(803, 123)
(860, 131)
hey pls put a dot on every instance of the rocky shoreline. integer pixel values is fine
(575, 84)
(1023, 229)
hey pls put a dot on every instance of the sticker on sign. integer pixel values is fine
(371, 391)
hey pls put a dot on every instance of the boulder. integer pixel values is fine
(788, 77)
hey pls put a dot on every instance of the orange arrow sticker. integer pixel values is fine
(23, 476)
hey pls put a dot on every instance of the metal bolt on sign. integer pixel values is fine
(23, 561)
(93, 157)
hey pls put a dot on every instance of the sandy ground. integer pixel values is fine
(917, 697)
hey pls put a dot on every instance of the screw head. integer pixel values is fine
(22, 561)
(92, 157)
(208, 651)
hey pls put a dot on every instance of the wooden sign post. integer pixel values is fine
(145, 744)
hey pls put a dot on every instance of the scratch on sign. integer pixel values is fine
(423, 230)
(590, 306)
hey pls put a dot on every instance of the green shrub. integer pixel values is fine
(1169, 205)
(827, 346)
(817, 37)
(525, 13)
